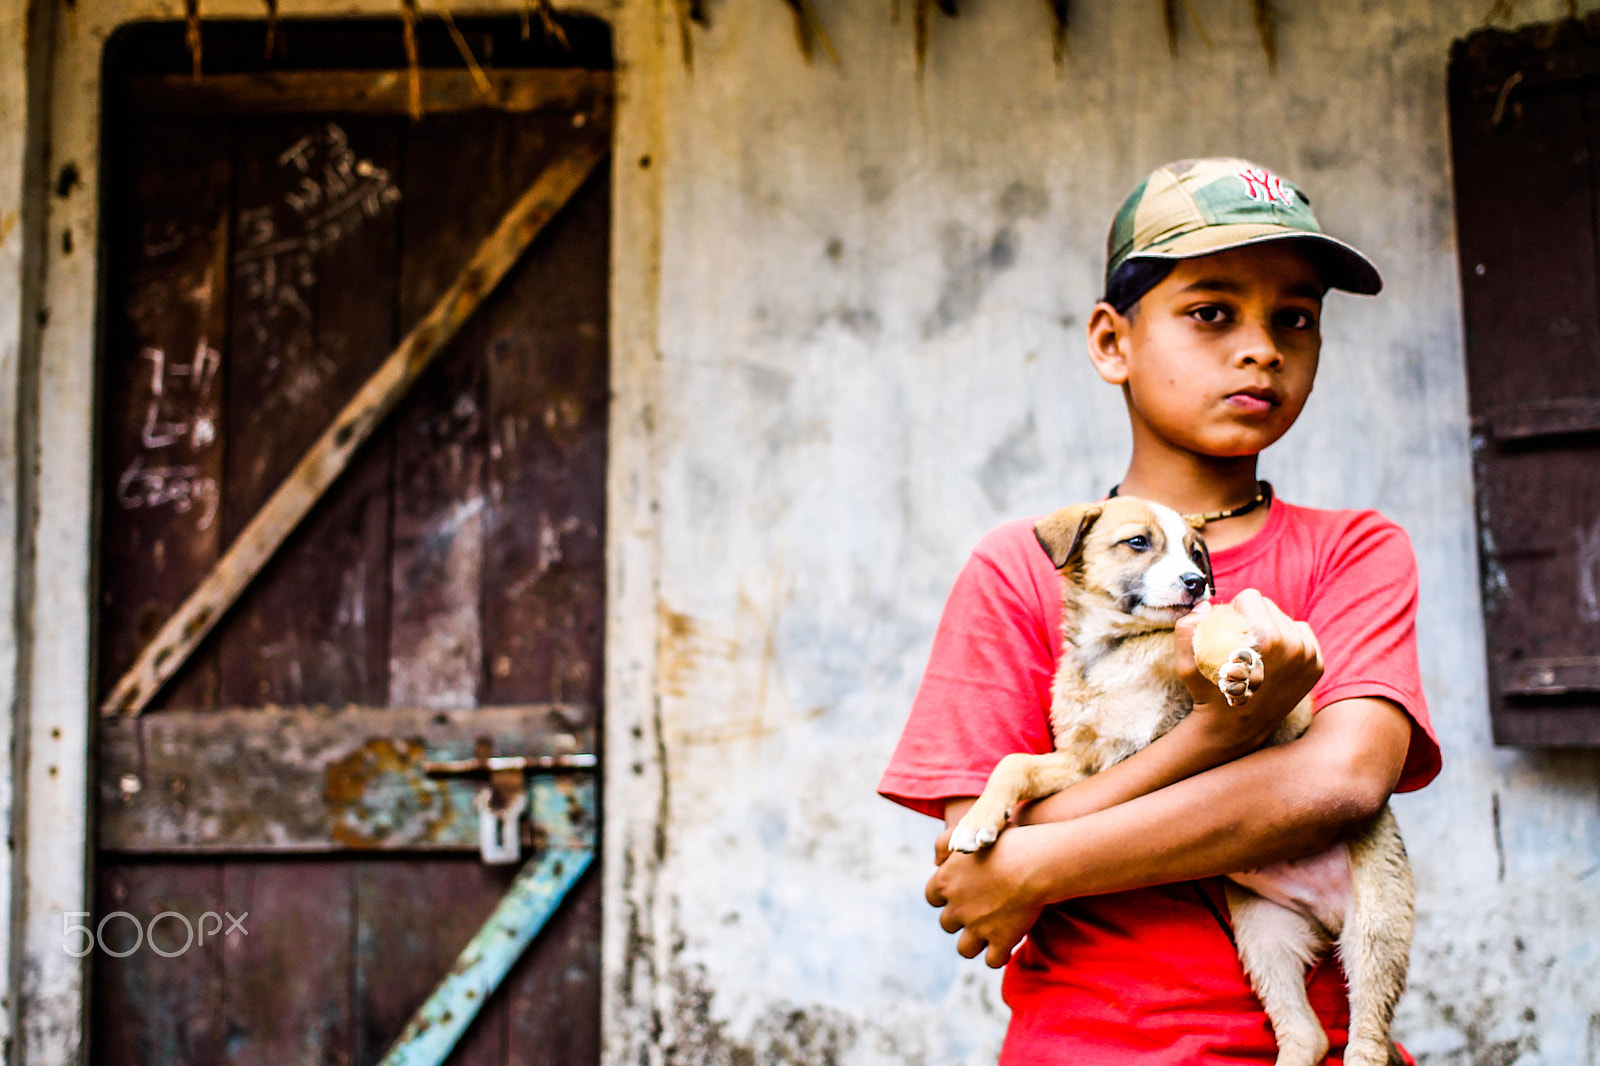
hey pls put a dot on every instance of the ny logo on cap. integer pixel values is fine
(1264, 186)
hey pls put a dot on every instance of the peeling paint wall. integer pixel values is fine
(24, 73)
(872, 304)
(13, 135)
(848, 311)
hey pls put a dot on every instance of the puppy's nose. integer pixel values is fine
(1195, 583)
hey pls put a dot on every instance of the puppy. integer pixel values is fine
(1131, 568)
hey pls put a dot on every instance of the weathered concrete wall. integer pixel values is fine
(24, 67)
(847, 340)
(13, 135)
(872, 302)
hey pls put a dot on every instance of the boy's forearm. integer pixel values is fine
(1275, 804)
(1241, 816)
(1185, 751)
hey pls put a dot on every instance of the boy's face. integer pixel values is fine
(1218, 359)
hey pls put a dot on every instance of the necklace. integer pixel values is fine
(1198, 521)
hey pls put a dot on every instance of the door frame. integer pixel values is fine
(47, 487)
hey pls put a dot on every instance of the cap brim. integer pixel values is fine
(1342, 266)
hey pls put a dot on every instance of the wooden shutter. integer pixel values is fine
(1525, 112)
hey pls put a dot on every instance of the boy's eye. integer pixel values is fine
(1210, 314)
(1297, 319)
(1139, 543)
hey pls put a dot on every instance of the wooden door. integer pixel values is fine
(262, 259)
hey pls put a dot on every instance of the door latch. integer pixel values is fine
(502, 801)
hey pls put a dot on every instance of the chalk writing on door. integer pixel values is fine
(331, 191)
(334, 192)
(180, 415)
(183, 487)
(199, 428)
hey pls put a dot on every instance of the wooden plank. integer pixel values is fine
(549, 399)
(318, 224)
(477, 976)
(1557, 417)
(1526, 225)
(553, 993)
(329, 456)
(317, 219)
(1541, 554)
(435, 643)
(1549, 726)
(435, 640)
(150, 1007)
(309, 779)
(1529, 58)
(543, 620)
(161, 462)
(1551, 676)
(370, 92)
(288, 996)
(161, 452)
(407, 941)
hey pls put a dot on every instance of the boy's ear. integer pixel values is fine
(1107, 334)
(1061, 533)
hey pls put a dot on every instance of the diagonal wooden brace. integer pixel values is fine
(327, 458)
(533, 898)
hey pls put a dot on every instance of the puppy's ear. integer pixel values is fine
(1061, 533)
(1205, 561)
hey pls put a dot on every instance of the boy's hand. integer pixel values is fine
(1291, 664)
(986, 897)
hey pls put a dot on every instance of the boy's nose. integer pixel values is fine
(1195, 582)
(1268, 357)
(1257, 348)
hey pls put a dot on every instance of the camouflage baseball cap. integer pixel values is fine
(1199, 206)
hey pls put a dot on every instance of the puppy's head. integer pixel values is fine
(1140, 555)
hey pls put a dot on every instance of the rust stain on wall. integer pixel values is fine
(731, 671)
(684, 645)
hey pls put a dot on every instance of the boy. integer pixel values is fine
(1210, 326)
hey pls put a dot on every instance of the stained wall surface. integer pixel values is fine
(872, 303)
(848, 313)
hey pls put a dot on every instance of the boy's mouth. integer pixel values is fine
(1255, 399)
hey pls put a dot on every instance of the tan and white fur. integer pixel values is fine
(1131, 568)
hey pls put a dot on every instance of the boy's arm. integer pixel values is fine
(1274, 804)
(1213, 733)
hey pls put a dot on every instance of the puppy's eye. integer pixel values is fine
(1139, 543)
(1198, 556)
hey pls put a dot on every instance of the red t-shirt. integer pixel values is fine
(1150, 977)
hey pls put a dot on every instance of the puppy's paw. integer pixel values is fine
(1239, 676)
(966, 839)
(973, 833)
